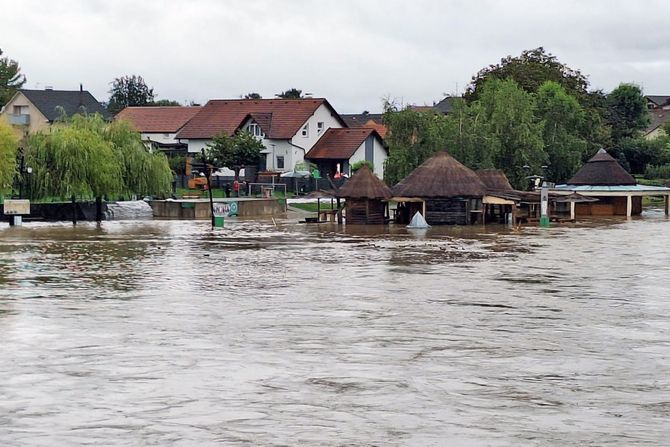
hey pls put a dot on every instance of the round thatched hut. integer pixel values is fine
(444, 190)
(618, 192)
(366, 198)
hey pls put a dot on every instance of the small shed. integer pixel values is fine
(450, 192)
(619, 194)
(366, 198)
(500, 201)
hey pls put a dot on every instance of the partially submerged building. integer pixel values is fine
(366, 198)
(618, 193)
(443, 190)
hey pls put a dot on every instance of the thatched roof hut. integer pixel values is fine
(495, 180)
(365, 195)
(365, 185)
(602, 170)
(441, 176)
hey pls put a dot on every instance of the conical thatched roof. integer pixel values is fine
(495, 180)
(602, 170)
(441, 176)
(364, 185)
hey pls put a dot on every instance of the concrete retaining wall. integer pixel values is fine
(199, 209)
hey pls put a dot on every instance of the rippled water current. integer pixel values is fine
(169, 334)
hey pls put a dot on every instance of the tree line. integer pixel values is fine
(529, 114)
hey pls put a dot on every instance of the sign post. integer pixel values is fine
(223, 209)
(16, 209)
(544, 205)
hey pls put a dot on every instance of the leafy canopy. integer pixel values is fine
(627, 112)
(11, 78)
(530, 70)
(292, 93)
(129, 91)
(234, 152)
(9, 143)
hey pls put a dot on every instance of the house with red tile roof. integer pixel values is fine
(159, 125)
(338, 149)
(288, 128)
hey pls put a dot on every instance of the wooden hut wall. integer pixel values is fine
(608, 206)
(447, 212)
(365, 212)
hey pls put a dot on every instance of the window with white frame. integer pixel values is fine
(255, 130)
(319, 127)
(305, 130)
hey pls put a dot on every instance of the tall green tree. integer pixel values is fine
(129, 91)
(530, 70)
(9, 144)
(253, 95)
(627, 112)
(514, 134)
(413, 137)
(242, 149)
(292, 93)
(562, 117)
(11, 78)
(164, 103)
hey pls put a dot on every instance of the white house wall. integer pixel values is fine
(322, 114)
(161, 138)
(380, 155)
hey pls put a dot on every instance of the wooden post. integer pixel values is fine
(424, 209)
(629, 205)
(514, 214)
(74, 210)
(98, 209)
(667, 204)
(318, 210)
(572, 211)
(339, 212)
(484, 211)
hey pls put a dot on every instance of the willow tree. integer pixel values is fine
(143, 172)
(8, 147)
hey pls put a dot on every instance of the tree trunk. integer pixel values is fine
(98, 209)
(74, 210)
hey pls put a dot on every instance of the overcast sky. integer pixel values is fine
(353, 52)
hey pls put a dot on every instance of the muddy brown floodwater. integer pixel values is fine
(166, 333)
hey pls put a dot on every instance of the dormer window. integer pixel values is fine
(255, 130)
(305, 130)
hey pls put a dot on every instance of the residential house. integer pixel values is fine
(659, 113)
(36, 110)
(288, 128)
(338, 149)
(159, 125)
(367, 120)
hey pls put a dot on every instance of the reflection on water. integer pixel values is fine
(167, 333)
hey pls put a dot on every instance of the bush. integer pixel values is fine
(359, 164)
(657, 172)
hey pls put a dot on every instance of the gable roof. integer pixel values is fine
(441, 176)
(658, 118)
(658, 100)
(364, 185)
(602, 170)
(360, 119)
(72, 101)
(167, 119)
(446, 105)
(227, 115)
(340, 144)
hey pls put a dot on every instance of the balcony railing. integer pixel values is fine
(19, 120)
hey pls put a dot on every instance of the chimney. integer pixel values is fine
(81, 95)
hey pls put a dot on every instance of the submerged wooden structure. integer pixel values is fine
(366, 198)
(443, 190)
(618, 193)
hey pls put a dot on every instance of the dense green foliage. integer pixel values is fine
(252, 95)
(292, 93)
(129, 91)
(164, 103)
(8, 147)
(86, 157)
(527, 115)
(11, 79)
(530, 70)
(657, 172)
(359, 164)
(627, 112)
(234, 152)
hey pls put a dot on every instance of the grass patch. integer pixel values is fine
(311, 206)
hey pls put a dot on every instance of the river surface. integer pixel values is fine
(166, 333)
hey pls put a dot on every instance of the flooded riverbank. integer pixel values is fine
(168, 333)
